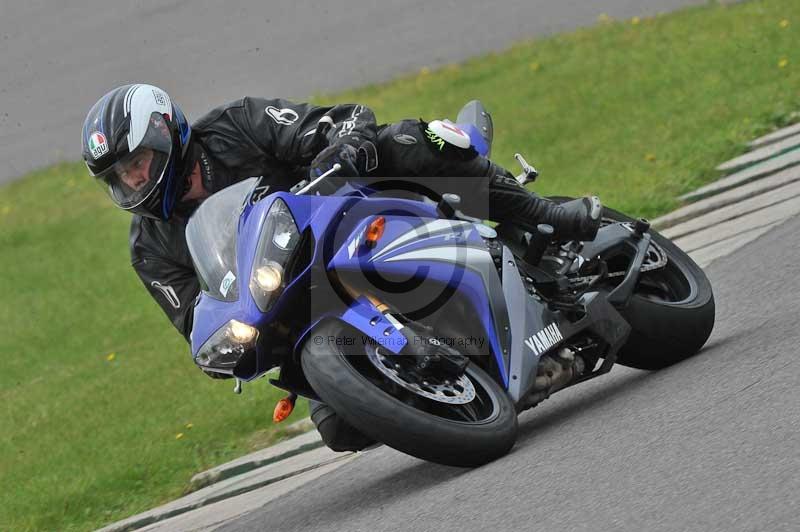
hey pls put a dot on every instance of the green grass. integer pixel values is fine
(86, 440)
(637, 113)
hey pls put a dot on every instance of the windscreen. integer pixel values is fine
(211, 236)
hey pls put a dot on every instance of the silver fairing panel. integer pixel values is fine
(527, 316)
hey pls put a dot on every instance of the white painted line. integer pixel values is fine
(775, 136)
(734, 195)
(737, 210)
(705, 256)
(718, 233)
(212, 516)
(761, 154)
(757, 171)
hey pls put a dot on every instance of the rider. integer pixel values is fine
(139, 146)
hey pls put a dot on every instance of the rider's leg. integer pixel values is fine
(510, 201)
(487, 190)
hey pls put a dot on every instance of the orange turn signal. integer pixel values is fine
(375, 231)
(284, 408)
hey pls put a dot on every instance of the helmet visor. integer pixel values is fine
(134, 178)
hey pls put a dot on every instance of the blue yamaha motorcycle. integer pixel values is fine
(422, 327)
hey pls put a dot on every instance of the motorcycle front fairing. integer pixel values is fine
(212, 313)
(322, 219)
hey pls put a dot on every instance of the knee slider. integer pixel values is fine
(448, 140)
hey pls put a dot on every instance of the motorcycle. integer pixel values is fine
(424, 328)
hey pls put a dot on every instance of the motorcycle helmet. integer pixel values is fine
(135, 143)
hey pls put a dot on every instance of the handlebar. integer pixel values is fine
(336, 167)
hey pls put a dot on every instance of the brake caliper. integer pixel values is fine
(432, 357)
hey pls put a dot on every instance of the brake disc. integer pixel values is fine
(655, 259)
(455, 392)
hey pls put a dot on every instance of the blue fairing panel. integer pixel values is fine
(365, 317)
(451, 253)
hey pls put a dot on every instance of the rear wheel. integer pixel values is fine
(462, 422)
(671, 312)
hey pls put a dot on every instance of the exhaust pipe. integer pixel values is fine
(555, 372)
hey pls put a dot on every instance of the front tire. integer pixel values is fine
(341, 376)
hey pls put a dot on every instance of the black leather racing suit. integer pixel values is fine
(276, 138)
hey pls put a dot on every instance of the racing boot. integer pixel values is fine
(577, 219)
(337, 434)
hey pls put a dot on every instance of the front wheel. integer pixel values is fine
(465, 423)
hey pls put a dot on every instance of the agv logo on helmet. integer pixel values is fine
(98, 145)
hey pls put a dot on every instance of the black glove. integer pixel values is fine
(344, 154)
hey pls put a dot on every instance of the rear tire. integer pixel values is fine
(665, 332)
(380, 415)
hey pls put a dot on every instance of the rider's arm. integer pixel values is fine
(174, 289)
(162, 262)
(282, 130)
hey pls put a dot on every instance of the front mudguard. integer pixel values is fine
(365, 317)
(375, 328)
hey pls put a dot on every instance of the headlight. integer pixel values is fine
(227, 346)
(276, 245)
(269, 277)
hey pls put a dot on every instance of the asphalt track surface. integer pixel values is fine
(710, 444)
(58, 58)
